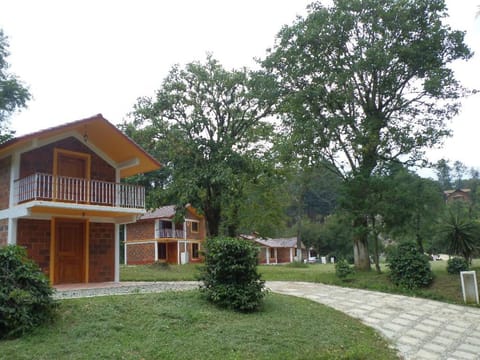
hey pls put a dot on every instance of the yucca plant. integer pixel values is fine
(462, 234)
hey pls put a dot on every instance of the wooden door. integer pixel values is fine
(75, 167)
(72, 171)
(69, 251)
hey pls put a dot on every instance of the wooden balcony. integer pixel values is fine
(46, 187)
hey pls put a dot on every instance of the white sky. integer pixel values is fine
(80, 58)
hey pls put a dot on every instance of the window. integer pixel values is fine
(195, 251)
(194, 226)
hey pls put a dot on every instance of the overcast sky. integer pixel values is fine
(80, 58)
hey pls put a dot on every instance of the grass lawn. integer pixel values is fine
(181, 325)
(158, 272)
(445, 287)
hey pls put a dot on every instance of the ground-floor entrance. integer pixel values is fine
(70, 251)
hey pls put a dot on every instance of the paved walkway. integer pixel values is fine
(419, 328)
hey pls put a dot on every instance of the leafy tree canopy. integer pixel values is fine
(13, 94)
(364, 83)
(208, 124)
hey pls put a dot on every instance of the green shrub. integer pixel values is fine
(409, 268)
(457, 264)
(25, 293)
(343, 269)
(230, 277)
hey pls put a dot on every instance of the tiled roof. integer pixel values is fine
(100, 133)
(162, 212)
(448, 192)
(274, 243)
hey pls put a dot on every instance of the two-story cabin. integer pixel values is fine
(157, 236)
(61, 197)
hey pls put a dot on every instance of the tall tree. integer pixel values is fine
(444, 174)
(13, 94)
(211, 123)
(364, 83)
(460, 170)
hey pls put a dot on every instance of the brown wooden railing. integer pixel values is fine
(47, 187)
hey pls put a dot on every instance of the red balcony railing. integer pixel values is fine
(47, 187)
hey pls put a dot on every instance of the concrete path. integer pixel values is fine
(420, 329)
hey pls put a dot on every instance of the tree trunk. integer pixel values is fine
(375, 239)
(212, 217)
(418, 237)
(360, 244)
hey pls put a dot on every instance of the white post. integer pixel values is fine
(14, 174)
(12, 231)
(156, 251)
(469, 286)
(117, 253)
(267, 254)
(156, 231)
(178, 253)
(125, 244)
(291, 254)
(118, 189)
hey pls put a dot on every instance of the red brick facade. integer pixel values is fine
(141, 230)
(34, 235)
(138, 254)
(3, 232)
(144, 230)
(283, 255)
(41, 160)
(202, 231)
(5, 164)
(102, 252)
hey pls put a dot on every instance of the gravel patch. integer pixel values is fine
(127, 288)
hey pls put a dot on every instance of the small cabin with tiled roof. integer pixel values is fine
(158, 237)
(278, 250)
(457, 195)
(61, 197)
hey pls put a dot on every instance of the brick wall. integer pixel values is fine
(41, 160)
(5, 164)
(262, 255)
(283, 255)
(140, 254)
(34, 235)
(201, 234)
(141, 230)
(3, 232)
(102, 252)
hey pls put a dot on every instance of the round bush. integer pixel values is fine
(25, 293)
(457, 264)
(343, 269)
(409, 268)
(229, 276)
